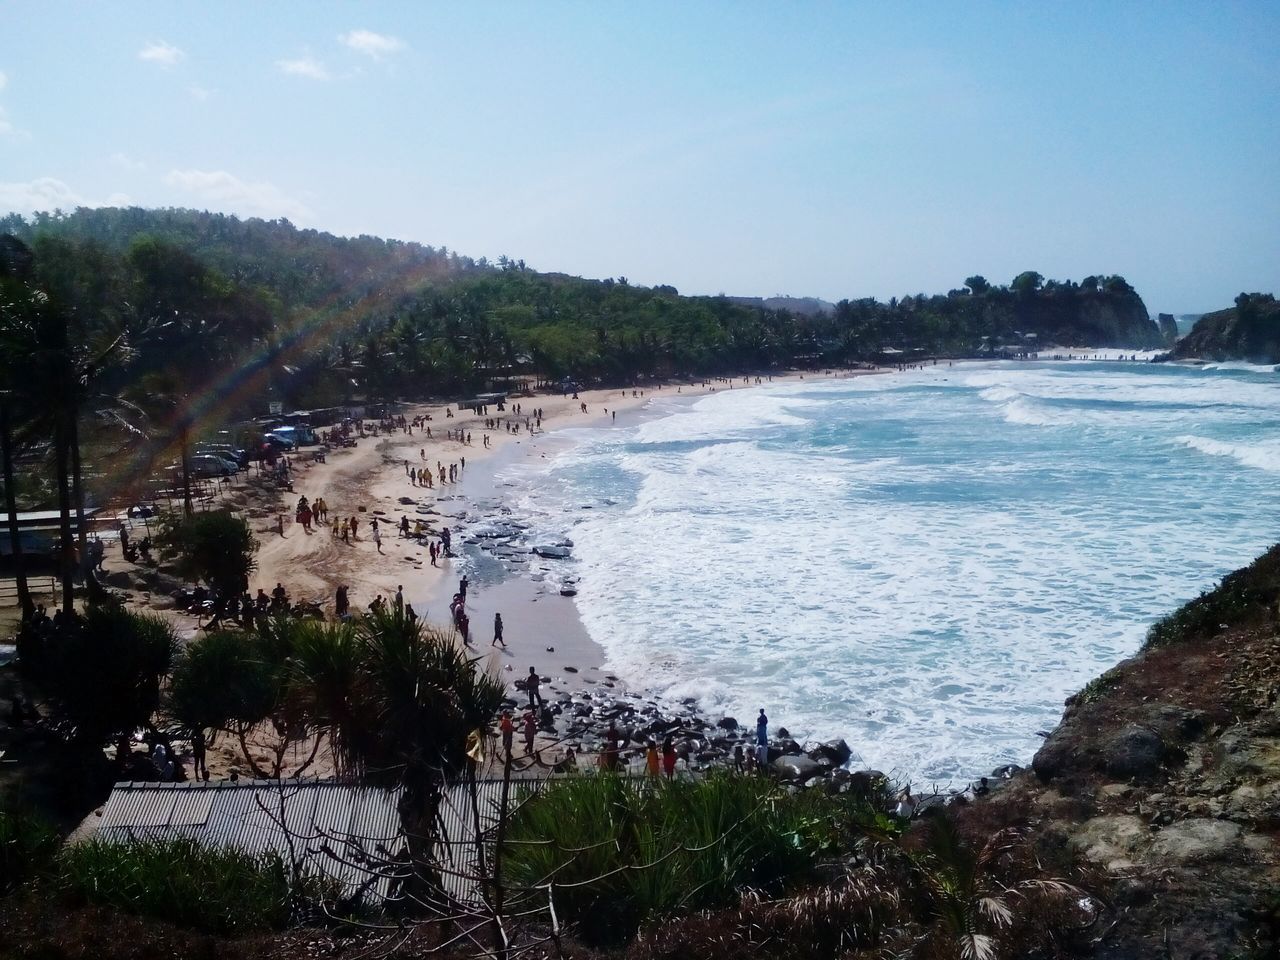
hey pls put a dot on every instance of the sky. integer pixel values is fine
(812, 149)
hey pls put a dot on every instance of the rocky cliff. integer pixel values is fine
(1164, 778)
(1248, 331)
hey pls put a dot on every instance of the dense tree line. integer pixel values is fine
(125, 323)
(321, 317)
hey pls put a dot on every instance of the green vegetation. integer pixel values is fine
(102, 673)
(1246, 597)
(28, 843)
(215, 546)
(642, 852)
(214, 890)
(1248, 331)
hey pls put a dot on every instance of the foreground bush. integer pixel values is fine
(214, 890)
(27, 845)
(641, 851)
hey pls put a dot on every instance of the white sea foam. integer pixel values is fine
(897, 559)
(1263, 454)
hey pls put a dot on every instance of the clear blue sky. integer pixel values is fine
(837, 150)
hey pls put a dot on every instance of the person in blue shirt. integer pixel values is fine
(762, 740)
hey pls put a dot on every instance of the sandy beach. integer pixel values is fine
(370, 481)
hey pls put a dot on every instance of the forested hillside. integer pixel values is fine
(272, 312)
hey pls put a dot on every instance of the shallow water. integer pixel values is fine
(925, 563)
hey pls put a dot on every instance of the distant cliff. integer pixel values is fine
(1248, 331)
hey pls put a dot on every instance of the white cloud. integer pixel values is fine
(376, 45)
(43, 193)
(304, 67)
(127, 162)
(158, 51)
(230, 193)
(199, 93)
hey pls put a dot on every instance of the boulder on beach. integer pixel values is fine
(834, 752)
(796, 769)
(552, 551)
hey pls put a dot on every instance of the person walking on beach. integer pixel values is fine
(669, 757)
(341, 605)
(531, 687)
(462, 587)
(497, 632)
(762, 740)
(399, 601)
(651, 760)
(508, 730)
(377, 537)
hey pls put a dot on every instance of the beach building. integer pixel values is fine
(38, 530)
(342, 831)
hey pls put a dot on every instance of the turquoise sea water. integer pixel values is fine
(926, 563)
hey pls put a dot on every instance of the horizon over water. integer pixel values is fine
(925, 563)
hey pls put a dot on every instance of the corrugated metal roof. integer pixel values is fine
(355, 823)
(456, 849)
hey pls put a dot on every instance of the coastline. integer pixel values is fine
(370, 480)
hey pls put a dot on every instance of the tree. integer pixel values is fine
(977, 285)
(102, 673)
(214, 546)
(1026, 283)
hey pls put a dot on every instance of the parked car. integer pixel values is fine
(208, 465)
(299, 436)
(226, 452)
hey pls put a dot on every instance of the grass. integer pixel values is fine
(212, 890)
(28, 843)
(623, 853)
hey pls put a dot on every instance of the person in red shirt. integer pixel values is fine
(508, 731)
(669, 758)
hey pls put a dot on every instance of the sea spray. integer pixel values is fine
(926, 563)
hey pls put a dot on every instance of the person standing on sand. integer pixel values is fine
(377, 537)
(497, 632)
(508, 730)
(400, 600)
(531, 687)
(341, 605)
(354, 524)
(651, 760)
(762, 740)
(530, 730)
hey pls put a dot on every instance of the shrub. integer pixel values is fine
(1243, 598)
(103, 673)
(641, 851)
(28, 843)
(216, 547)
(214, 890)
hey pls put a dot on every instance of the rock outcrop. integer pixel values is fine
(1163, 781)
(1248, 331)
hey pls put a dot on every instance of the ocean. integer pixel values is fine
(925, 563)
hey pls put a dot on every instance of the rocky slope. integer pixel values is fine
(1164, 778)
(1248, 331)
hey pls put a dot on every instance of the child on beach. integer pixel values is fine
(530, 730)
(669, 758)
(651, 759)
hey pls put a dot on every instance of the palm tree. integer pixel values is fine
(971, 904)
